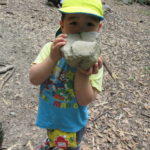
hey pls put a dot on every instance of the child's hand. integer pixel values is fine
(94, 69)
(57, 44)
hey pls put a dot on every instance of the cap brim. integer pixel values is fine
(76, 10)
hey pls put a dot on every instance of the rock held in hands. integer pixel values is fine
(82, 50)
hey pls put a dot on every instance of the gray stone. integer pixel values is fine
(82, 50)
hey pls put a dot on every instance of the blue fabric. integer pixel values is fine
(58, 107)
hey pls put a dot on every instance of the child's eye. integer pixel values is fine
(73, 23)
(90, 24)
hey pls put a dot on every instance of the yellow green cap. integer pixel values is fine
(93, 7)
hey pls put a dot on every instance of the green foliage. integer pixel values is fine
(146, 69)
(131, 78)
(147, 13)
(143, 1)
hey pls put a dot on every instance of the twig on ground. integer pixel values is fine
(145, 114)
(6, 78)
(98, 116)
(119, 135)
(7, 103)
(29, 144)
(3, 3)
(6, 68)
(132, 134)
(93, 143)
(10, 148)
(114, 77)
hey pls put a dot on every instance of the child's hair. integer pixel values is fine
(62, 16)
(94, 17)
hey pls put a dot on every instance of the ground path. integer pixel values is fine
(120, 118)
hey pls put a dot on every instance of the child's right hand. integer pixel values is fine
(57, 44)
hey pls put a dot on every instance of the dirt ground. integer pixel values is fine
(120, 117)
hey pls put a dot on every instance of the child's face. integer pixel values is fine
(76, 23)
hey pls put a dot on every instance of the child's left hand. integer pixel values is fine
(94, 69)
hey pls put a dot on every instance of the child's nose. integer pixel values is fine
(81, 28)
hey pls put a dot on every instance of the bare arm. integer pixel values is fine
(40, 72)
(85, 93)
